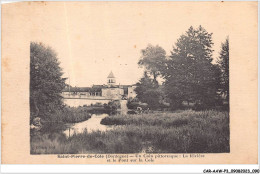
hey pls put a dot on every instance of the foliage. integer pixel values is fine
(65, 115)
(74, 114)
(112, 106)
(153, 59)
(181, 132)
(156, 119)
(98, 104)
(190, 74)
(132, 103)
(148, 91)
(223, 62)
(46, 82)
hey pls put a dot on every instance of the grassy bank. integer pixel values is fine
(70, 115)
(74, 114)
(183, 132)
(57, 121)
(151, 119)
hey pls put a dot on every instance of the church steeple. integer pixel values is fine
(111, 80)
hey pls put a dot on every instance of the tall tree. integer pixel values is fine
(147, 91)
(223, 62)
(46, 82)
(190, 74)
(153, 59)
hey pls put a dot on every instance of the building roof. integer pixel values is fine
(111, 75)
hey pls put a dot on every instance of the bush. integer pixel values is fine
(199, 107)
(98, 104)
(112, 106)
(132, 103)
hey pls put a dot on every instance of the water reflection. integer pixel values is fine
(92, 124)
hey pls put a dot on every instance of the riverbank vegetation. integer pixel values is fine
(72, 114)
(46, 85)
(182, 100)
(62, 117)
(180, 132)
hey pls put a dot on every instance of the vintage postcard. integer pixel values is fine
(129, 83)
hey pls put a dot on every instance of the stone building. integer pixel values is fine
(109, 91)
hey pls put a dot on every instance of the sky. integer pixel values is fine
(94, 38)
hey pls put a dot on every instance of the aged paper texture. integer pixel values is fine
(93, 38)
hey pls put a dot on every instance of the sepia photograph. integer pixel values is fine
(168, 94)
(129, 82)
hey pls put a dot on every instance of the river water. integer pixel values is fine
(93, 124)
(90, 125)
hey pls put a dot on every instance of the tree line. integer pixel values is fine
(188, 73)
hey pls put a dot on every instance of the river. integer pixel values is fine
(93, 124)
(90, 125)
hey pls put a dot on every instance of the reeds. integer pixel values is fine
(183, 132)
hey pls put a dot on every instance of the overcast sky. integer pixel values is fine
(91, 39)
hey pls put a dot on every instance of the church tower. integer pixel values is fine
(111, 80)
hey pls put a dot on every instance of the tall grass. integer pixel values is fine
(152, 119)
(59, 118)
(183, 132)
(72, 114)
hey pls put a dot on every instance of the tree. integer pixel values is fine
(153, 59)
(190, 74)
(147, 91)
(223, 62)
(46, 82)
